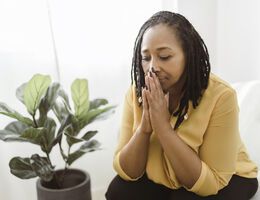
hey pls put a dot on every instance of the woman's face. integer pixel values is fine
(162, 51)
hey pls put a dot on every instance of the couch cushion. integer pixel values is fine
(248, 94)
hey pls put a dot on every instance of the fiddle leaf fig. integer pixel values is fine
(73, 140)
(21, 167)
(95, 114)
(48, 101)
(42, 167)
(34, 90)
(20, 92)
(34, 135)
(79, 91)
(6, 110)
(61, 109)
(26, 168)
(88, 146)
(51, 121)
(96, 103)
(9, 136)
(16, 127)
(13, 131)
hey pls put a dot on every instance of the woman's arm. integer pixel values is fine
(133, 156)
(184, 161)
(209, 171)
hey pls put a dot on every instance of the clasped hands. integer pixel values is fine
(156, 116)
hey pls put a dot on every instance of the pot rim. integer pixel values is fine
(85, 181)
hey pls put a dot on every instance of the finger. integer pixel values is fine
(145, 105)
(157, 82)
(152, 85)
(147, 82)
(148, 98)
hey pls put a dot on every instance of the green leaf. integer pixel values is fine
(65, 97)
(13, 131)
(16, 127)
(96, 103)
(9, 136)
(88, 146)
(61, 109)
(80, 96)
(34, 90)
(21, 167)
(49, 134)
(20, 92)
(34, 135)
(73, 140)
(96, 114)
(42, 167)
(48, 101)
(6, 110)
(87, 136)
(64, 124)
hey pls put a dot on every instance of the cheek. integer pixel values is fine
(177, 69)
(145, 67)
(176, 72)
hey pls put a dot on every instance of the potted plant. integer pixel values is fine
(53, 122)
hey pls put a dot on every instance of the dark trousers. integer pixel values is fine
(239, 188)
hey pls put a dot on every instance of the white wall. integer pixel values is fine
(238, 42)
(230, 29)
(203, 16)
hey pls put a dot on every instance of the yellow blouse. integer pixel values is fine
(211, 130)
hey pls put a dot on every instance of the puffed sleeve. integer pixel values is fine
(126, 132)
(218, 152)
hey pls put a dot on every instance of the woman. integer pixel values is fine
(179, 137)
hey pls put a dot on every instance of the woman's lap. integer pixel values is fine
(239, 188)
(142, 189)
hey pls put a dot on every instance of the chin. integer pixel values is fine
(165, 89)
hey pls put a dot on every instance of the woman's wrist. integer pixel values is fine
(143, 131)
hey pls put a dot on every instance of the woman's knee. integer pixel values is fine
(113, 189)
(119, 189)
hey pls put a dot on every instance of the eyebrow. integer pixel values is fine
(158, 49)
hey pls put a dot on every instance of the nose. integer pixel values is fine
(154, 66)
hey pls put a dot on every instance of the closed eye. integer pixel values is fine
(146, 58)
(165, 57)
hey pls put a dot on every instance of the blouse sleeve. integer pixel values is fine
(126, 132)
(218, 152)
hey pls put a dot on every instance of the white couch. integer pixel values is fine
(248, 94)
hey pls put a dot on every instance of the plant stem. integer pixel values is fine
(34, 120)
(48, 157)
(66, 166)
(55, 175)
(66, 163)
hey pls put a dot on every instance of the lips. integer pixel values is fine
(162, 78)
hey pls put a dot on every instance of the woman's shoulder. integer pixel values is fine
(217, 86)
(130, 94)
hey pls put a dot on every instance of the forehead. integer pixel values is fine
(159, 36)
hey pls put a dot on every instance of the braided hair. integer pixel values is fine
(197, 65)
